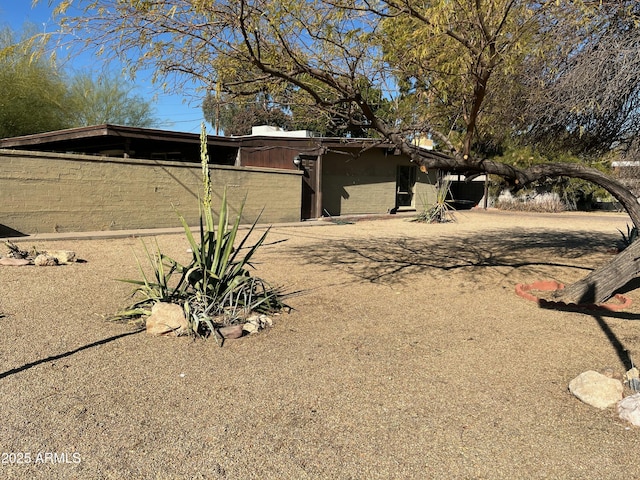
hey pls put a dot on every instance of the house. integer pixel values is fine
(115, 177)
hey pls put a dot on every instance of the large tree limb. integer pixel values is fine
(603, 282)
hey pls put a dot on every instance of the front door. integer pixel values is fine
(309, 166)
(405, 186)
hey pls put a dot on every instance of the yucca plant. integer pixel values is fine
(441, 211)
(215, 287)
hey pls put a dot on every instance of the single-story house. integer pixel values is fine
(110, 177)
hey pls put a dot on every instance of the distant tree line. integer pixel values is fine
(37, 95)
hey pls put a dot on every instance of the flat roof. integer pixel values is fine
(150, 143)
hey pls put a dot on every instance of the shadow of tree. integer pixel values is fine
(52, 358)
(394, 259)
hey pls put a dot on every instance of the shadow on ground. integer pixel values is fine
(52, 358)
(393, 259)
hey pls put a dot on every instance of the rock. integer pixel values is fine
(629, 409)
(14, 262)
(257, 322)
(632, 378)
(63, 256)
(596, 389)
(44, 260)
(167, 319)
(250, 328)
(230, 332)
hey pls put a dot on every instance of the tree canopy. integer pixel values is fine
(37, 95)
(107, 99)
(587, 101)
(444, 68)
(32, 91)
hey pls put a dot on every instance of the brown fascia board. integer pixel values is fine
(108, 130)
(55, 136)
(98, 131)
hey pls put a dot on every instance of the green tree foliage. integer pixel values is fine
(107, 99)
(32, 90)
(237, 117)
(291, 110)
(36, 95)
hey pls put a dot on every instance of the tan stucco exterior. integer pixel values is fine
(48, 192)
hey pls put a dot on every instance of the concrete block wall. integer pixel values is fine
(49, 192)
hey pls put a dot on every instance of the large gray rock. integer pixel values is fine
(167, 319)
(596, 389)
(629, 409)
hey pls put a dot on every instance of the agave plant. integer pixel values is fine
(628, 238)
(152, 290)
(215, 287)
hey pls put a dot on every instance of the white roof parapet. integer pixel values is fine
(271, 131)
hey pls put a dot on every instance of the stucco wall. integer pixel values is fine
(367, 184)
(46, 192)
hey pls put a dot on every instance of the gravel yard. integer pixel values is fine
(407, 355)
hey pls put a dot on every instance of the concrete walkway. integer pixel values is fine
(150, 232)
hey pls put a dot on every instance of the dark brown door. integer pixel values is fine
(309, 167)
(405, 185)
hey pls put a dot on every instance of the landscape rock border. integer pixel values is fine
(18, 257)
(524, 291)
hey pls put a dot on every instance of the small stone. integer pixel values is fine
(230, 332)
(167, 319)
(250, 328)
(629, 409)
(44, 260)
(632, 378)
(63, 256)
(596, 389)
(631, 374)
(14, 262)
(257, 322)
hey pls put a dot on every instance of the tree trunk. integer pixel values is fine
(603, 282)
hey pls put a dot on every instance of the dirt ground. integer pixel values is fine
(407, 355)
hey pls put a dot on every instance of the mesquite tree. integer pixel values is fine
(445, 69)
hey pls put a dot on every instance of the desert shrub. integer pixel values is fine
(215, 288)
(543, 202)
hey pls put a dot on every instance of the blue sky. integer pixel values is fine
(173, 112)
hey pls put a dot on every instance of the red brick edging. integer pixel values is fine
(551, 285)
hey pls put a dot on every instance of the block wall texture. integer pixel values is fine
(367, 185)
(46, 192)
